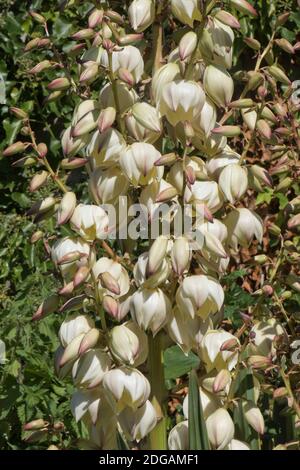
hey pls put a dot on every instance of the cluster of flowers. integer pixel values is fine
(124, 136)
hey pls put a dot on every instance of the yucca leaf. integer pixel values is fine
(198, 438)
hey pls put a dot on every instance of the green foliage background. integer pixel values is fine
(28, 386)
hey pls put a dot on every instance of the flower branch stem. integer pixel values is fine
(288, 387)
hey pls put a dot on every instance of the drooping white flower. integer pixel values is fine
(199, 295)
(128, 344)
(138, 424)
(211, 354)
(129, 387)
(88, 371)
(219, 86)
(263, 334)
(186, 11)
(149, 308)
(76, 253)
(106, 185)
(233, 181)
(181, 101)
(243, 225)
(141, 14)
(91, 222)
(74, 326)
(129, 58)
(179, 436)
(137, 163)
(220, 429)
(120, 280)
(105, 148)
(165, 74)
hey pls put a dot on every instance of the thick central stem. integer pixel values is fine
(157, 437)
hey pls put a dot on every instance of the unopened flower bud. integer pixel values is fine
(81, 276)
(89, 73)
(36, 424)
(73, 163)
(167, 159)
(244, 7)
(279, 74)
(42, 149)
(109, 282)
(59, 84)
(48, 306)
(187, 45)
(255, 79)
(13, 149)
(38, 181)
(126, 76)
(222, 379)
(106, 118)
(264, 129)
(242, 103)
(227, 131)
(86, 33)
(89, 341)
(259, 362)
(71, 352)
(285, 45)
(228, 19)
(37, 17)
(114, 16)
(130, 39)
(95, 18)
(253, 43)
(44, 65)
(18, 113)
(157, 253)
(282, 19)
(180, 255)
(36, 236)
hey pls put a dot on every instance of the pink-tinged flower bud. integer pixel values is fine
(89, 73)
(230, 345)
(106, 118)
(138, 163)
(149, 308)
(126, 76)
(282, 19)
(38, 181)
(89, 341)
(211, 353)
(37, 17)
(90, 369)
(72, 351)
(253, 43)
(138, 424)
(141, 14)
(109, 283)
(222, 379)
(36, 424)
(279, 74)
(40, 207)
(233, 182)
(36, 236)
(186, 11)
(74, 326)
(244, 7)
(128, 344)
(66, 208)
(48, 306)
(254, 417)
(165, 74)
(220, 429)
(90, 222)
(44, 65)
(228, 19)
(227, 131)
(36, 43)
(59, 84)
(130, 39)
(280, 392)
(285, 45)
(187, 45)
(179, 436)
(77, 49)
(261, 174)
(181, 101)
(264, 129)
(167, 159)
(18, 113)
(42, 150)
(191, 303)
(114, 16)
(67, 289)
(180, 255)
(73, 163)
(15, 148)
(113, 307)
(259, 362)
(241, 104)
(24, 162)
(157, 254)
(243, 225)
(262, 91)
(55, 95)
(128, 386)
(218, 84)
(95, 18)
(81, 276)
(86, 33)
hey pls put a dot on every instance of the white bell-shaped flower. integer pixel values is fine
(149, 308)
(91, 222)
(212, 353)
